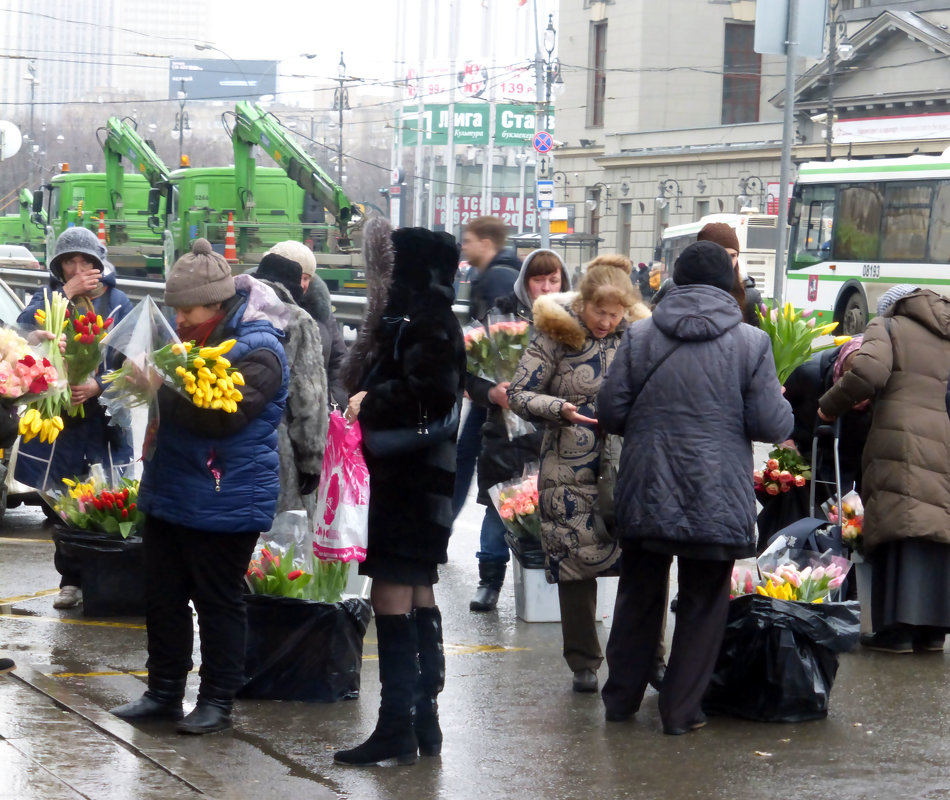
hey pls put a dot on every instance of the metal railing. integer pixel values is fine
(348, 309)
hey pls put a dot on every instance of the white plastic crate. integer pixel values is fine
(536, 600)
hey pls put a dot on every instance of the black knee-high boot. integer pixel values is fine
(162, 700)
(394, 737)
(432, 680)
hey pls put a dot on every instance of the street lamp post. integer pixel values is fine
(181, 121)
(749, 186)
(247, 83)
(839, 46)
(543, 78)
(341, 102)
(667, 189)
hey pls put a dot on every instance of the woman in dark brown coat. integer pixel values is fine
(903, 364)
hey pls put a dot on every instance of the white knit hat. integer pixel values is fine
(299, 252)
(894, 294)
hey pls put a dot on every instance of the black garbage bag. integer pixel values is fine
(779, 658)
(112, 570)
(304, 650)
(529, 552)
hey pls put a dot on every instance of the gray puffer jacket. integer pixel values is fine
(685, 480)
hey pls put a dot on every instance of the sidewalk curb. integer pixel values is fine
(162, 755)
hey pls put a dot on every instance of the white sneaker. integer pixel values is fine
(68, 597)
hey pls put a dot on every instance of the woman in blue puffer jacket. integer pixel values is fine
(209, 488)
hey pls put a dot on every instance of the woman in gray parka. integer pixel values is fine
(684, 485)
(555, 386)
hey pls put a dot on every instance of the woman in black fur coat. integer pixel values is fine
(410, 273)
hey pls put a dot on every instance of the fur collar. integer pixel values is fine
(554, 316)
(378, 257)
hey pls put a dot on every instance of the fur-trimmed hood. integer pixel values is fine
(378, 257)
(554, 315)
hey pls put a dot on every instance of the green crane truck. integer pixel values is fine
(25, 227)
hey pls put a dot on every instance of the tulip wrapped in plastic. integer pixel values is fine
(153, 356)
(517, 504)
(850, 517)
(282, 564)
(493, 351)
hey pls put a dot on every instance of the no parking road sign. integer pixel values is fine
(543, 141)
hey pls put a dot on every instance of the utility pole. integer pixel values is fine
(791, 53)
(181, 121)
(540, 95)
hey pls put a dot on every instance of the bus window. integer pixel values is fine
(815, 221)
(906, 217)
(857, 231)
(940, 226)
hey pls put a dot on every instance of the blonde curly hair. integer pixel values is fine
(607, 280)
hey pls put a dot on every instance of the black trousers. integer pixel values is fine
(70, 572)
(638, 623)
(184, 564)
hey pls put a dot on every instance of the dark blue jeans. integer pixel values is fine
(492, 544)
(469, 445)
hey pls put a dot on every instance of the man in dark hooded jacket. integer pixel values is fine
(689, 389)
(483, 245)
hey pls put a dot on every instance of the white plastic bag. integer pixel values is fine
(343, 495)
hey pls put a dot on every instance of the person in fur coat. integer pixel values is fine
(315, 300)
(408, 361)
(555, 386)
(302, 434)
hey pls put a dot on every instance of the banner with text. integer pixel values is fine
(515, 125)
(506, 206)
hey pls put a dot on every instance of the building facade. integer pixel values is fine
(669, 114)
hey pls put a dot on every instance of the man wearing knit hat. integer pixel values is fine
(209, 487)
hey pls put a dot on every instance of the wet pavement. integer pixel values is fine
(513, 728)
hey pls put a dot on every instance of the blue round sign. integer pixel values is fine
(543, 141)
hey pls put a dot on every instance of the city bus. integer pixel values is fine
(757, 239)
(860, 227)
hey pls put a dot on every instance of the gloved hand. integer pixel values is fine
(308, 482)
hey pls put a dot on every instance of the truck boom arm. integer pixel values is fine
(254, 126)
(121, 139)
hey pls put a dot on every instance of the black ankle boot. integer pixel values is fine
(432, 680)
(212, 713)
(491, 576)
(162, 700)
(394, 737)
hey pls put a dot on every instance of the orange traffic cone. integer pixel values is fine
(230, 246)
(102, 227)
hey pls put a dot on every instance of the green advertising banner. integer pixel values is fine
(514, 124)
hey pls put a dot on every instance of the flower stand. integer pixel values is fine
(112, 569)
(304, 650)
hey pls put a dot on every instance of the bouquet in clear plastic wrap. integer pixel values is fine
(493, 351)
(517, 504)
(83, 332)
(850, 516)
(52, 396)
(153, 356)
(800, 575)
(284, 564)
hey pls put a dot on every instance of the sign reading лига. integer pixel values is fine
(515, 125)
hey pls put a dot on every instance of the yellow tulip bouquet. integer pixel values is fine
(153, 356)
(793, 334)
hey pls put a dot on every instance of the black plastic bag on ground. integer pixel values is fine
(304, 650)
(779, 658)
(112, 570)
(529, 552)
